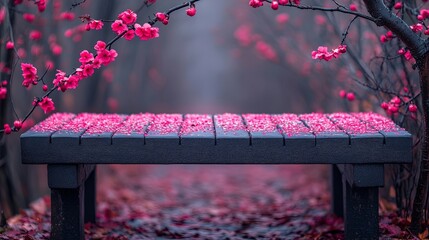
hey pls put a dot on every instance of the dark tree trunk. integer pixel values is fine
(6, 181)
(422, 185)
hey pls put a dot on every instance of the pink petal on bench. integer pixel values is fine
(80, 123)
(378, 122)
(105, 123)
(260, 123)
(319, 123)
(290, 125)
(351, 124)
(135, 123)
(164, 124)
(230, 122)
(195, 123)
(53, 123)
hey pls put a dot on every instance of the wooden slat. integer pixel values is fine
(36, 140)
(231, 131)
(326, 132)
(162, 140)
(263, 131)
(70, 133)
(101, 131)
(163, 131)
(65, 143)
(362, 135)
(295, 133)
(395, 138)
(197, 130)
(131, 133)
(332, 143)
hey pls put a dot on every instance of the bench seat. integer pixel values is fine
(139, 138)
(357, 145)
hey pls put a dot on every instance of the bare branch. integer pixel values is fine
(418, 47)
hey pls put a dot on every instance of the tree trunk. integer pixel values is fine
(422, 186)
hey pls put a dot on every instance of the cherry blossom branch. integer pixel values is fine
(174, 9)
(108, 45)
(323, 9)
(384, 17)
(346, 32)
(76, 4)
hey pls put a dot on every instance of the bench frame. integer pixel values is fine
(354, 189)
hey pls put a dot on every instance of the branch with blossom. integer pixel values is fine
(125, 26)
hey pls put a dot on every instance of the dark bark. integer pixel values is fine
(7, 181)
(419, 49)
(422, 185)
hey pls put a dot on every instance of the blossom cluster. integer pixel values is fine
(394, 104)
(323, 53)
(89, 63)
(126, 24)
(29, 73)
(348, 95)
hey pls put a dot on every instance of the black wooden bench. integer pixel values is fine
(357, 145)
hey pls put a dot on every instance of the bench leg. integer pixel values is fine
(90, 197)
(68, 184)
(360, 212)
(67, 213)
(336, 191)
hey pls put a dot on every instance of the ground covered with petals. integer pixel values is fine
(204, 202)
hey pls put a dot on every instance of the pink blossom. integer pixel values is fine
(35, 35)
(100, 45)
(191, 11)
(62, 82)
(2, 14)
(412, 108)
(86, 57)
(417, 27)
(424, 13)
(161, 16)
(244, 35)
(256, 3)
(119, 27)
(146, 31)
(129, 35)
(29, 73)
(408, 55)
(41, 5)
(282, 18)
(106, 56)
(95, 24)
(128, 17)
(28, 17)
(350, 96)
(56, 49)
(10, 45)
(3, 92)
(322, 52)
(47, 105)
(398, 5)
(266, 51)
(67, 16)
(88, 70)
